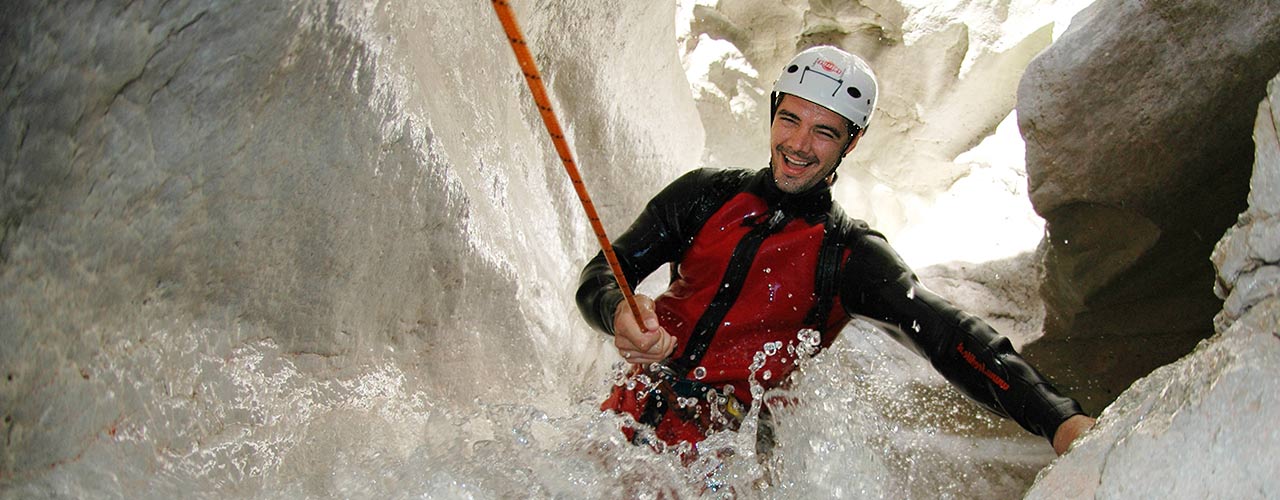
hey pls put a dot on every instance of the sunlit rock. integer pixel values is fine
(1137, 126)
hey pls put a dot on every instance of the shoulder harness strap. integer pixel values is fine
(835, 237)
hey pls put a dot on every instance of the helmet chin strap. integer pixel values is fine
(857, 131)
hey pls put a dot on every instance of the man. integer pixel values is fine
(766, 262)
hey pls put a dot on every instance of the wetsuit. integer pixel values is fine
(753, 265)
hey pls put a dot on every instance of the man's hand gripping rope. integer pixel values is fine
(638, 344)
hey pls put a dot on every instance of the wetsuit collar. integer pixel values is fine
(811, 205)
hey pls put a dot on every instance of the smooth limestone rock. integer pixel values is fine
(1203, 427)
(1137, 126)
(209, 211)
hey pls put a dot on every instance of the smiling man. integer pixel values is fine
(808, 143)
(765, 266)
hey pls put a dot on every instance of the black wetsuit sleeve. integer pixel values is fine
(658, 236)
(983, 365)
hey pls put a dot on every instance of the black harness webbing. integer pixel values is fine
(824, 277)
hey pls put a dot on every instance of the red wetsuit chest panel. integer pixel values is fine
(771, 308)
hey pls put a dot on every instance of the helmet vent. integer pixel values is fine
(854, 92)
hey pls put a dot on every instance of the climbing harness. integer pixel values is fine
(694, 401)
(532, 77)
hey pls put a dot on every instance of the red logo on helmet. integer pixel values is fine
(829, 66)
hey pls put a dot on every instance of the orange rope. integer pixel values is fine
(534, 79)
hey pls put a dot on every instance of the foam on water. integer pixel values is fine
(253, 420)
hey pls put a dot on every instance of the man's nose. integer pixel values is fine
(798, 142)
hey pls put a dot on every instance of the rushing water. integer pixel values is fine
(251, 420)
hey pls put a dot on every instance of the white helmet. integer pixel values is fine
(831, 78)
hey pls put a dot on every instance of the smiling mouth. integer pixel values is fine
(794, 163)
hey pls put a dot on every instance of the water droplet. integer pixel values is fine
(700, 372)
(771, 348)
(768, 270)
(809, 340)
(768, 374)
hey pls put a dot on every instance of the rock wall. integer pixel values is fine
(1203, 427)
(185, 182)
(1136, 124)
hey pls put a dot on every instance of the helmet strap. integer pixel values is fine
(854, 136)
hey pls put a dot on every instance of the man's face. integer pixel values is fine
(808, 142)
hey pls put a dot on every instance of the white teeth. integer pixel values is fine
(794, 162)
